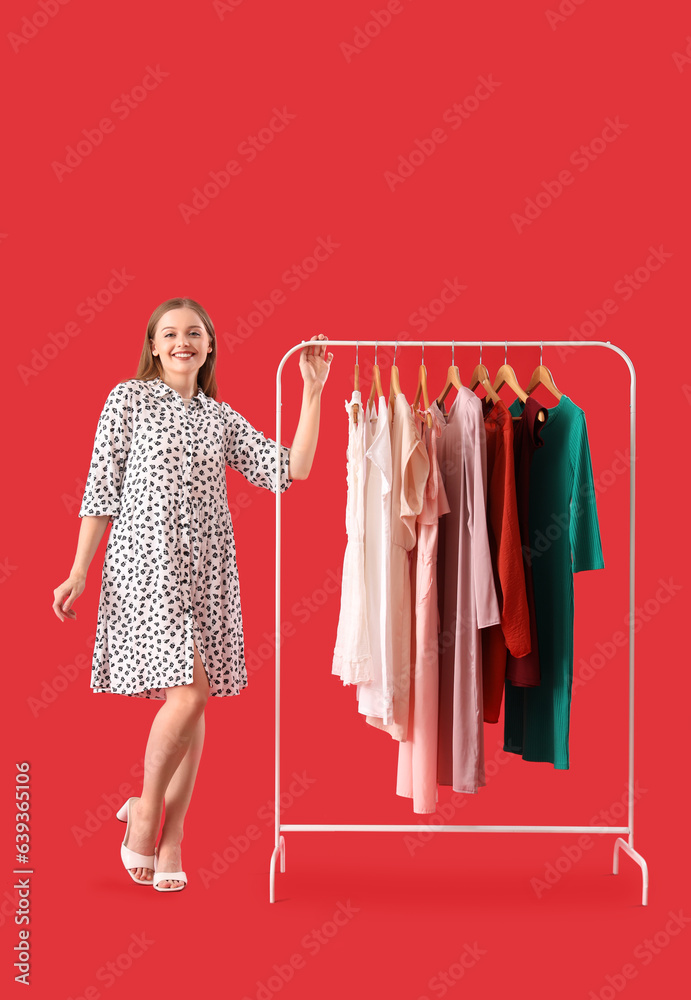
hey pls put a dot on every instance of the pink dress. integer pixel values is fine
(410, 467)
(417, 758)
(467, 597)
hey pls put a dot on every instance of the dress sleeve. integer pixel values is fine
(109, 457)
(515, 620)
(414, 472)
(253, 454)
(584, 529)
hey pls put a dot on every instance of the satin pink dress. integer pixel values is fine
(417, 757)
(467, 596)
(410, 467)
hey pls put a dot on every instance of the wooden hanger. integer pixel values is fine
(376, 391)
(422, 388)
(394, 384)
(453, 378)
(507, 376)
(543, 376)
(480, 376)
(356, 382)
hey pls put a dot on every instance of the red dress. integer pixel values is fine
(513, 634)
(525, 672)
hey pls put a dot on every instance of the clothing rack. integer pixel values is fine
(621, 831)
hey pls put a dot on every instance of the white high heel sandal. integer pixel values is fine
(131, 859)
(168, 877)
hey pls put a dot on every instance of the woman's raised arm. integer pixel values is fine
(315, 365)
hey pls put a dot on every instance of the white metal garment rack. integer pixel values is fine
(621, 831)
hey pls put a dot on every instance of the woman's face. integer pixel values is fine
(181, 342)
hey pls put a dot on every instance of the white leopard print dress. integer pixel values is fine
(170, 574)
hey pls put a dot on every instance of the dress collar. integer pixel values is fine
(160, 388)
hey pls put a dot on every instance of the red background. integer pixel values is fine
(324, 175)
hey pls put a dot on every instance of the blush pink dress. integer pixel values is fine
(417, 757)
(410, 467)
(467, 596)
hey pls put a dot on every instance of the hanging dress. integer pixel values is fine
(564, 539)
(467, 598)
(525, 672)
(352, 660)
(507, 559)
(410, 467)
(170, 575)
(417, 757)
(375, 698)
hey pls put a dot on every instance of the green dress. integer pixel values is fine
(564, 539)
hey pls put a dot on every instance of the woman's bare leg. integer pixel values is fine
(177, 799)
(172, 734)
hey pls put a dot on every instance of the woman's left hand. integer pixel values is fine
(315, 363)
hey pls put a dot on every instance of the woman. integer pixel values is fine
(169, 618)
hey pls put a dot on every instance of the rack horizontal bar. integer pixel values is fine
(434, 828)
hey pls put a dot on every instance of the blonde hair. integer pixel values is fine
(149, 365)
